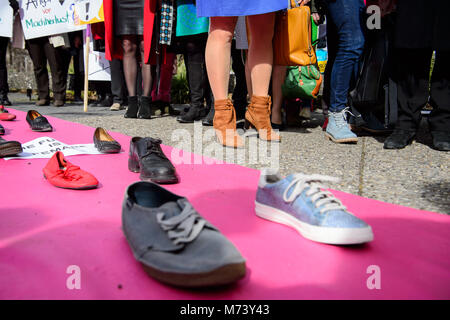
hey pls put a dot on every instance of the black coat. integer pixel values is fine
(423, 24)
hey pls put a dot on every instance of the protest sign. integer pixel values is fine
(47, 17)
(6, 21)
(88, 11)
(99, 69)
(45, 147)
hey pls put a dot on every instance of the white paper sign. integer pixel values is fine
(99, 68)
(47, 17)
(88, 11)
(45, 147)
(6, 21)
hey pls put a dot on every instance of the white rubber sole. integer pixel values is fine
(338, 236)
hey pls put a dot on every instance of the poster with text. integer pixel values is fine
(88, 11)
(99, 69)
(6, 21)
(47, 17)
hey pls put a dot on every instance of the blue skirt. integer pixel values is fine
(235, 8)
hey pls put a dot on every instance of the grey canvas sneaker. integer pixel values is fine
(174, 243)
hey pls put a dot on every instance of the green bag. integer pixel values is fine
(302, 82)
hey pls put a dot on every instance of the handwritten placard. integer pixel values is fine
(6, 21)
(47, 17)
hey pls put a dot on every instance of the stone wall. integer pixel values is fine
(20, 70)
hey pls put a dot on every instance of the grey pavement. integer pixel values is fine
(416, 176)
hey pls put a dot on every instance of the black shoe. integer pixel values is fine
(441, 140)
(209, 119)
(147, 157)
(195, 113)
(38, 122)
(399, 139)
(2, 130)
(9, 148)
(145, 108)
(132, 109)
(104, 142)
(279, 127)
(240, 108)
(107, 102)
(5, 101)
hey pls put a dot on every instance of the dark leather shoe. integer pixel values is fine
(174, 243)
(5, 101)
(209, 119)
(9, 148)
(145, 108)
(147, 157)
(104, 142)
(441, 140)
(399, 139)
(2, 130)
(38, 122)
(276, 126)
(132, 109)
(42, 102)
(58, 103)
(194, 113)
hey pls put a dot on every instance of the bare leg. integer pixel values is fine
(260, 55)
(278, 76)
(218, 55)
(129, 63)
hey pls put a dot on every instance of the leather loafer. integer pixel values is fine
(441, 140)
(5, 115)
(147, 157)
(174, 243)
(104, 142)
(9, 148)
(62, 174)
(38, 122)
(399, 139)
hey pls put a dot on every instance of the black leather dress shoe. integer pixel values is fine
(276, 126)
(38, 122)
(399, 139)
(9, 148)
(147, 157)
(195, 113)
(2, 130)
(441, 140)
(104, 142)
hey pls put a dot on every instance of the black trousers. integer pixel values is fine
(118, 87)
(414, 88)
(41, 52)
(4, 89)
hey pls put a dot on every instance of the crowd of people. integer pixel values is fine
(141, 39)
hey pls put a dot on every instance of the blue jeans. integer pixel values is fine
(345, 32)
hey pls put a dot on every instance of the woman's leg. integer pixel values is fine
(129, 45)
(218, 55)
(278, 76)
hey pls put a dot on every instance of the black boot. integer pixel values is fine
(399, 139)
(132, 107)
(145, 111)
(441, 140)
(5, 101)
(194, 113)
(209, 119)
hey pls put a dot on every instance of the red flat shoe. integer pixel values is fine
(5, 115)
(62, 174)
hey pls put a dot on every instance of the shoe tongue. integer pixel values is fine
(173, 208)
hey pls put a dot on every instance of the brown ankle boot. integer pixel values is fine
(225, 124)
(258, 116)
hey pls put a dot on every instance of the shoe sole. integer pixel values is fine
(336, 236)
(346, 140)
(10, 151)
(221, 276)
(42, 130)
(161, 180)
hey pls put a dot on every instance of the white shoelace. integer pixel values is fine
(341, 117)
(320, 198)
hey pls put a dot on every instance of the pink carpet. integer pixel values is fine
(43, 230)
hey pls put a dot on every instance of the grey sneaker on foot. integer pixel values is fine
(116, 107)
(174, 243)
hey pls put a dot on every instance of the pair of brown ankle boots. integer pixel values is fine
(257, 116)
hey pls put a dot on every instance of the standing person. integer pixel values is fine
(129, 26)
(345, 34)
(4, 88)
(422, 26)
(42, 51)
(261, 19)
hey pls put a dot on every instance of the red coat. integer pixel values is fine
(113, 45)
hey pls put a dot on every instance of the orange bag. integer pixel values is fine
(292, 39)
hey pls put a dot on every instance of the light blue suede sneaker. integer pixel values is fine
(338, 129)
(300, 202)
